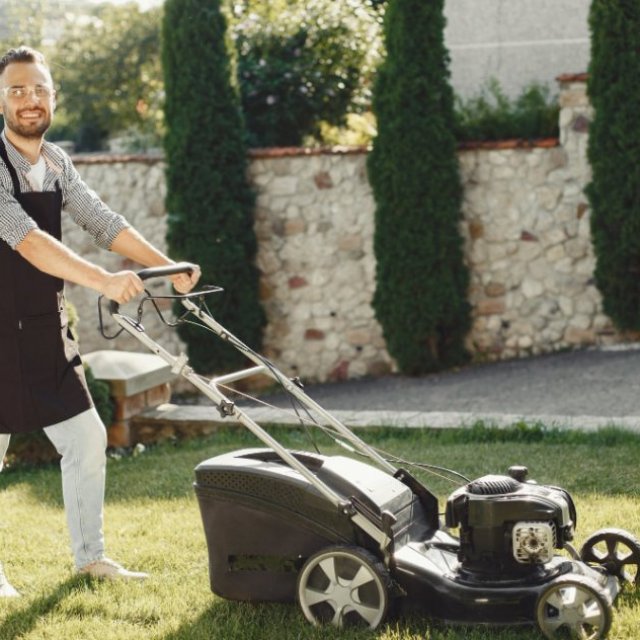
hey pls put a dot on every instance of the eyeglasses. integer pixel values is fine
(40, 91)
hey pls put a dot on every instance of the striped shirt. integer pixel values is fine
(81, 203)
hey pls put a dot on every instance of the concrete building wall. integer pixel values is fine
(515, 41)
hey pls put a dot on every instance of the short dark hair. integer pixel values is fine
(21, 54)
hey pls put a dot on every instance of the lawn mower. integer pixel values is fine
(354, 537)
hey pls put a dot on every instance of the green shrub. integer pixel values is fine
(99, 390)
(491, 115)
(421, 279)
(101, 394)
(209, 202)
(302, 63)
(614, 155)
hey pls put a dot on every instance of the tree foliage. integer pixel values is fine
(209, 202)
(304, 66)
(614, 154)
(21, 23)
(300, 64)
(421, 279)
(107, 67)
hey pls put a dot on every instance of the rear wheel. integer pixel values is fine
(344, 586)
(573, 607)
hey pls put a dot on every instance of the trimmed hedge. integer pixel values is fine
(209, 202)
(614, 155)
(421, 279)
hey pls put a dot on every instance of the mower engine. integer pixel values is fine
(509, 527)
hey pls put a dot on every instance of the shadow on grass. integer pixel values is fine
(22, 620)
(245, 621)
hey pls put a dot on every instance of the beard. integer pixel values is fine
(30, 130)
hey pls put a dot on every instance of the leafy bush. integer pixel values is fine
(421, 279)
(209, 202)
(614, 155)
(491, 115)
(101, 394)
(302, 63)
(99, 390)
(359, 129)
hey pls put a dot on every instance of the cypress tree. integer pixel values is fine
(209, 202)
(614, 154)
(421, 279)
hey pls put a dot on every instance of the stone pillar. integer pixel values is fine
(138, 381)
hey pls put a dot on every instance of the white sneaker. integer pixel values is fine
(107, 569)
(6, 589)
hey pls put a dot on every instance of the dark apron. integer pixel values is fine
(42, 379)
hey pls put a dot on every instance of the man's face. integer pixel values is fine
(27, 116)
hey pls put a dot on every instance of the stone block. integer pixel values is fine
(495, 289)
(119, 434)
(576, 336)
(294, 227)
(296, 282)
(490, 306)
(158, 395)
(125, 407)
(137, 382)
(476, 229)
(323, 180)
(128, 372)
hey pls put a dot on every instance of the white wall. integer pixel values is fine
(515, 41)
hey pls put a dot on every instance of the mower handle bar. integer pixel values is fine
(157, 272)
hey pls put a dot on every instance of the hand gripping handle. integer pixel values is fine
(157, 272)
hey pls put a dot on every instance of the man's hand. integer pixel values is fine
(184, 282)
(121, 286)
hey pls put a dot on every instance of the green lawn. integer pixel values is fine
(153, 524)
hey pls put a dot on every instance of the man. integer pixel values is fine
(42, 383)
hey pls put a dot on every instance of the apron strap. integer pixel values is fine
(10, 167)
(14, 175)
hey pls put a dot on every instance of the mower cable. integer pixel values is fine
(435, 470)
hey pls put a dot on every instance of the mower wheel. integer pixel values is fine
(573, 606)
(617, 551)
(344, 585)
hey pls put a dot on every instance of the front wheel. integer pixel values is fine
(343, 586)
(573, 607)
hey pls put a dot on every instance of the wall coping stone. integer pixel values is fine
(114, 158)
(285, 152)
(289, 152)
(128, 372)
(565, 78)
(514, 143)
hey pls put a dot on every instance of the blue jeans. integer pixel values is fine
(81, 441)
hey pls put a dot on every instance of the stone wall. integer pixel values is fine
(526, 227)
(529, 243)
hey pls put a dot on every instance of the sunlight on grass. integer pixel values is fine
(152, 523)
